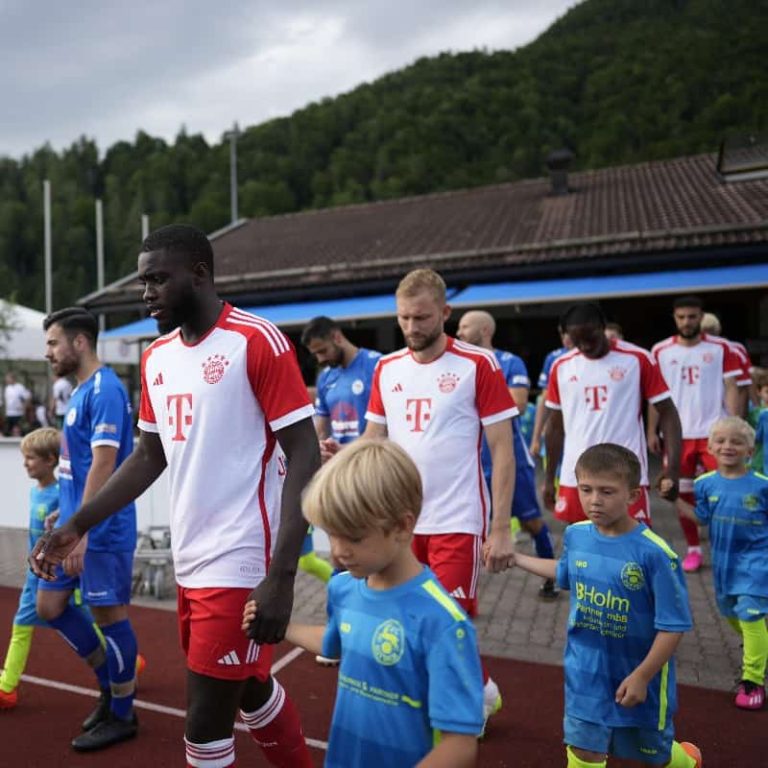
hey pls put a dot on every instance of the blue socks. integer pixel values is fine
(76, 628)
(542, 541)
(121, 650)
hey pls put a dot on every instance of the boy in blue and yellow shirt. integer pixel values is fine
(41, 455)
(733, 502)
(628, 612)
(410, 665)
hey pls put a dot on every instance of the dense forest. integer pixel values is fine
(616, 81)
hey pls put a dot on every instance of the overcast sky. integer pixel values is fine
(106, 70)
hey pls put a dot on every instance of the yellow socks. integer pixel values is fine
(16, 657)
(577, 762)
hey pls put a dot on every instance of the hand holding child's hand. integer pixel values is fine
(50, 521)
(249, 614)
(632, 690)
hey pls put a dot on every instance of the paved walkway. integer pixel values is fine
(514, 622)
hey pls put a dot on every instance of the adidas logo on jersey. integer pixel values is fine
(229, 659)
(459, 593)
(398, 387)
(158, 380)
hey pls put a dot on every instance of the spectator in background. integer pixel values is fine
(16, 396)
(60, 394)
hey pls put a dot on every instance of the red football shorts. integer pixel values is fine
(215, 645)
(695, 458)
(455, 559)
(568, 506)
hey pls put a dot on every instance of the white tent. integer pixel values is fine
(25, 338)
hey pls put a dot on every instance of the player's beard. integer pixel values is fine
(338, 358)
(691, 333)
(423, 342)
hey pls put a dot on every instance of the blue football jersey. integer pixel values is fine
(342, 395)
(760, 459)
(42, 502)
(623, 590)
(736, 510)
(516, 375)
(99, 413)
(409, 666)
(549, 361)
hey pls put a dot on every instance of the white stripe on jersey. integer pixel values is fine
(274, 336)
(486, 353)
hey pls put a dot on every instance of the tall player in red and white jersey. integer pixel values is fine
(702, 374)
(220, 390)
(434, 398)
(596, 394)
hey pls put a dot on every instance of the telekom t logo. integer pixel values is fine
(417, 411)
(179, 414)
(596, 397)
(690, 373)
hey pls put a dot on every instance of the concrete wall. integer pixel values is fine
(151, 507)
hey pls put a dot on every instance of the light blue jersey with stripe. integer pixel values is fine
(343, 393)
(99, 413)
(736, 510)
(624, 590)
(409, 666)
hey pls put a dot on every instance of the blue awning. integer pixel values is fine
(522, 292)
(614, 286)
(298, 313)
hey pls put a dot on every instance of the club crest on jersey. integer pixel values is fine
(707, 357)
(616, 373)
(447, 383)
(632, 576)
(750, 502)
(214, 368)
(357, 387)
(388, 644)
(71, 416)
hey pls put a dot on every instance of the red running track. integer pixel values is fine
(525, 734)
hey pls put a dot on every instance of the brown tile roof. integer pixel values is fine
(651, 207)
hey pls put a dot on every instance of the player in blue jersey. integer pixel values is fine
(478, 327)
(97, 438)
(733, 502)
(342, 391)
(543, 380)
(758, 418)
(409, 660)
(629, 610)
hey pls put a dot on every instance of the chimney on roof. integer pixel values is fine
(558, 162)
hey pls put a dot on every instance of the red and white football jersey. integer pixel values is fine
(435, 411)
(216, 405)
(695, 376)
(602, 402)
(744, 378)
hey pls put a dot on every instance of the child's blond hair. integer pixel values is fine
(419, 281)
(369, 485)
(735, 424)
(43, 442)
(610, 459)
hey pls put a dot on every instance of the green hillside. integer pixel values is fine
(618, 81)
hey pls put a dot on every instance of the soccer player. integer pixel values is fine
(701, 373)
(595, 395)
(344, 385)
(343, 388)
(759, 420)
(219, 390)
(478, 327)
(733, 501)
(410, 686)
(541, 410)
(433, 398)
(96, 439)
(629, 610)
